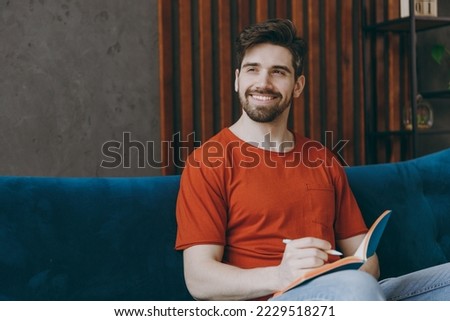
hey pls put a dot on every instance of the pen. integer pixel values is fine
(332, 252)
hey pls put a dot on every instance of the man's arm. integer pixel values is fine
(207, 278)
(349, 247)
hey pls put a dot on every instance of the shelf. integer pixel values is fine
(433, 132)
(391, 133)
(444, 94)
(410, 132)
(403, 24)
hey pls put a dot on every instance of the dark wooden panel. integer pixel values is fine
(298, 108)
(243, 14)
(262, 10)
(359, 154)
(226, 74)
(186, 82)
(313, 81)
(346, 97)
(281, 9)
(330, 68)
(393, 114)
(206, 69)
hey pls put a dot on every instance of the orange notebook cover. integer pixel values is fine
(365, 250)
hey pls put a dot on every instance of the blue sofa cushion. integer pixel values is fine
(418, 191)
(89, 239)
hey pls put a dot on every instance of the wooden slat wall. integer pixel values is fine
(393, 116)
(197, 66)
(186, 121)
(225, 61)
(298, 110)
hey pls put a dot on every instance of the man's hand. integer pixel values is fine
(300, 256)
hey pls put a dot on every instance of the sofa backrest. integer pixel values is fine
(89, 239)
(113, 238)
(418, 193)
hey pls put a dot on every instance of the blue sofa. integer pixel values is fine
(113, 238)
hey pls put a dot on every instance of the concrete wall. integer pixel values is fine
(74, 75)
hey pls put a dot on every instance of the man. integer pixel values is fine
(256, 183)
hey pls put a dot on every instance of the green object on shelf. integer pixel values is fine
(440, 54)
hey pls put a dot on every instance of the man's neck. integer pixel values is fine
(273, 136)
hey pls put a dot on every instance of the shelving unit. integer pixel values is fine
(406, 28)
(445, 94)
(404, 24)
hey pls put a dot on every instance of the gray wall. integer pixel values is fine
(74, 75)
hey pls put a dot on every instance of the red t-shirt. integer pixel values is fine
(249, 199)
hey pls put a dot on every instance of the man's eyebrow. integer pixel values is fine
(251, 64)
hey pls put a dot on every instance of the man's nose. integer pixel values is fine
(264, 80)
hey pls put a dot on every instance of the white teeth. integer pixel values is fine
(264, 98)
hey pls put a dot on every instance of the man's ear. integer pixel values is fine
(236, 82)
(299, 85)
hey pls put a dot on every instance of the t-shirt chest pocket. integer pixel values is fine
(320, 204)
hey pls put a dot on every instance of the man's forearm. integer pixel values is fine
(214, 280)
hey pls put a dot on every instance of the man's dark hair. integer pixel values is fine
(280, 32)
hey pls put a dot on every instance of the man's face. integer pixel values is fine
(266, 82)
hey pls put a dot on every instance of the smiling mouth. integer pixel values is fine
(262, 98)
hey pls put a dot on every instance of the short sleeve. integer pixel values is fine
(201, 210)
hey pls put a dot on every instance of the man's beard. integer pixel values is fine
(263, 114)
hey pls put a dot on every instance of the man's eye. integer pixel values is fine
(279, 72)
